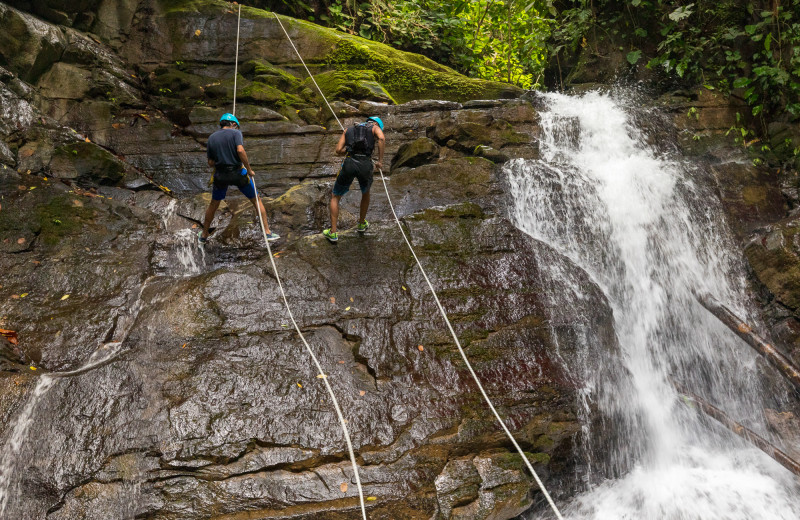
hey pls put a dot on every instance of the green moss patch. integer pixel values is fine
(407, 76)
(59, 218)
(352, 84)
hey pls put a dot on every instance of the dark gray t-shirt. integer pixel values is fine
(222, 147)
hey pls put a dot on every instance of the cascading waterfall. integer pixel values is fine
(183, 246)
(648, 229)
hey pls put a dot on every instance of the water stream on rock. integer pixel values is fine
(190, 259)
(647, 228)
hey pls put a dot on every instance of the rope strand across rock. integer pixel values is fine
(321, 373)
(438, 303)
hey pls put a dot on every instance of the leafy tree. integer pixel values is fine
(502, 40)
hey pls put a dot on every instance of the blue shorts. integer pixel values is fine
(220, 189)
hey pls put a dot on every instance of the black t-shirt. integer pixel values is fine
(222, 147)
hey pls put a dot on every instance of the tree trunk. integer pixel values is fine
(742, 431)
(744, 331)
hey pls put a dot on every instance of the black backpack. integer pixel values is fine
(361, 139)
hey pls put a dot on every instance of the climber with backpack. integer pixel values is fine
(225, 153)
(357, 144)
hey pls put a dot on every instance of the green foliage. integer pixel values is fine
(750, 49)
(501, 40)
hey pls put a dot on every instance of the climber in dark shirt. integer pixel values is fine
(357, 143)
(226, 154)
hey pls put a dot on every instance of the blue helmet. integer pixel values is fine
(229, 117)
(377, 120)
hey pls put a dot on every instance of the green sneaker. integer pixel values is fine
(363, 227)
(333, 237)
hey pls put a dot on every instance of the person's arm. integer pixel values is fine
(243, 158)
(381, 142)
(341, 148)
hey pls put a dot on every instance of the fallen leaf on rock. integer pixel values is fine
(11, 335)
(372, 499)
(117, 126)
(198, 32)
(321, 376)
(21, 241)
(341, 362)
(362, 393)
(404, 287)
(88, 140)
(298, 384)
(144, 116)
(194, 226)
(23, 295)
(351, 300)
(64, 297)
(347, 308)
(32, 367)
(27, 152)
(22, 187)
(32, 188)
(333, 299)
(15, 296)
(421, 348)
(343, 487)
(184, 345)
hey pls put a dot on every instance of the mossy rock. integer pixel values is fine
(416, 153)
(87, 162)
(352, 84)
(265, 72)
(50, 220)
(775, 259)
(403, 76)
(25, 48)
(176, 83)
(408, 76)
(261, 93)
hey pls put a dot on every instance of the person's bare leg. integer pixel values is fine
(256, 202)
(362, 215)
(334, 211)
(212, 209)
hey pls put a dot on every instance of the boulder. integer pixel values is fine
(415, 153)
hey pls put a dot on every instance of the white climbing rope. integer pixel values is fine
(464, 356)
(321, 373)
(236, 62)
(439, 304)
(308, 71)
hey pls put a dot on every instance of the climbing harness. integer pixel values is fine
(439, 304)
(321, 373)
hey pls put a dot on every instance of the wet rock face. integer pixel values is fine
(214, 408)
(210, 406)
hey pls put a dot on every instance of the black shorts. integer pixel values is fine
(354, 168)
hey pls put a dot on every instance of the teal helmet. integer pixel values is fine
(229, 117)
(377, 120)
